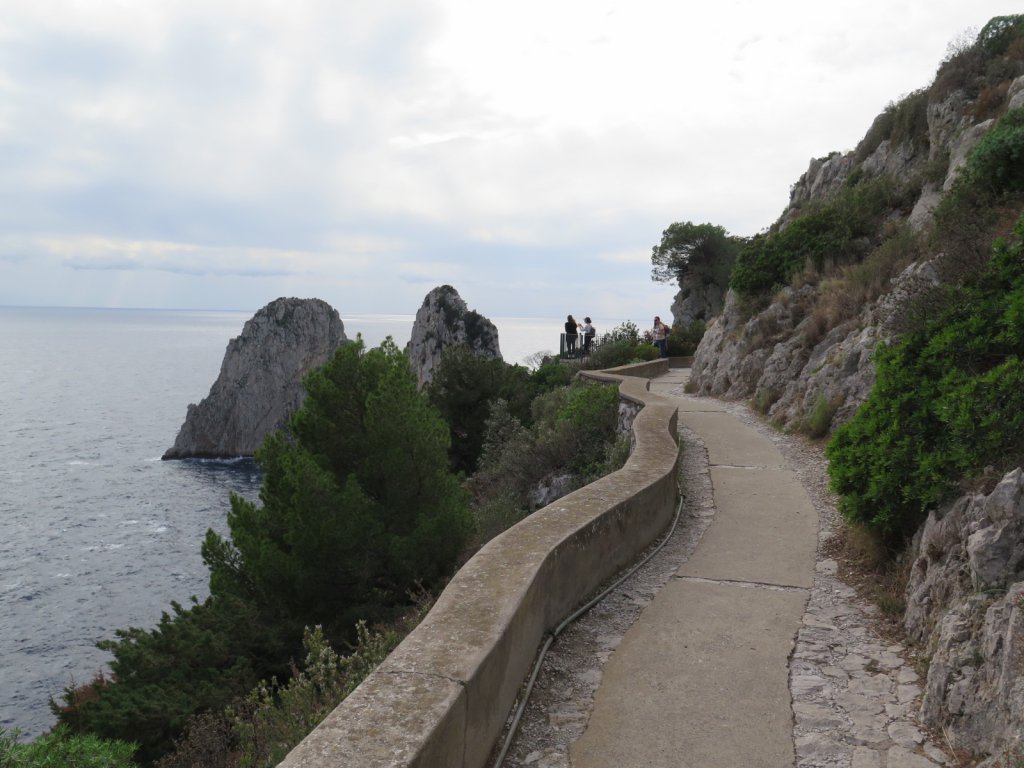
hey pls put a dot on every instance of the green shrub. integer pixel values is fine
(197, 658)
(62, 749)
(902, 121)
(838, 231)
(684, 338)
(573, 432)
(817, 421)
(997, 161)
(274, 718)
(948, 401)
(614, 348)
(645, 352)
(993, 56)
(462, 388)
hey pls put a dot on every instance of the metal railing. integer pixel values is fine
(575, 346)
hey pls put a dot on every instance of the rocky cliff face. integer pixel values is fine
(260, 381)
(443, 320)
(791, 357)
(965, 606)
(696, 300)
(797, 358)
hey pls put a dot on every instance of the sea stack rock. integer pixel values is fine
(444, 320)
(260, 381)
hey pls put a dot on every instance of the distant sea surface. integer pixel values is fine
(99, 534)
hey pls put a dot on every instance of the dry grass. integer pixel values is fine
(845, 290)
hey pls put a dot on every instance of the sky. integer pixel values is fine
(218, 154)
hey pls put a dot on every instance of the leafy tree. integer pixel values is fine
(358, 504)
(463, 388)
(703, 250)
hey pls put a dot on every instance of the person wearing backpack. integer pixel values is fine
(588, 335)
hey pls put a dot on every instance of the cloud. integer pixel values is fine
(371, 149)
(107, 254)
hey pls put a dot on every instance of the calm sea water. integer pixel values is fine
(99, 534)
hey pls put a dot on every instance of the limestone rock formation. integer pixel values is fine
(808, 350)
(788, 357)
(965, 605)
(260, 381)
(696, 300)
(443, 320)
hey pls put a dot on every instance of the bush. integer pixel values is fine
(274, 718)
(900, 122)
(614, 348)
(948, 401)
(838, 231)
(817, 421)
(62, 749)
(645, 352)
(993, 56)
(997, 161)
(196, 659)
(572, 433)
(462, 388)
(684, 338)
(991, 184)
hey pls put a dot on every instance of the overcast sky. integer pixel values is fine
(220, 154)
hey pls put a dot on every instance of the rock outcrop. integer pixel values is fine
(804, 357)
(443, 320)
(791, 357)
(965, 605)
(260, 381)
(697, 300)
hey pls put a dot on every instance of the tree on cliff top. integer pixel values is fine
(358, 504)
(706, 251)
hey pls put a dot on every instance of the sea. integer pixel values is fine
(99, 534)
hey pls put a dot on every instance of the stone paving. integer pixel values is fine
(855, 694)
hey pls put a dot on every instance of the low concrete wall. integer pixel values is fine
(442, 697)
(646, 370)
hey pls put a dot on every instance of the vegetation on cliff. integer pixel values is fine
(948, 404)
(360, 518)
(358, 510)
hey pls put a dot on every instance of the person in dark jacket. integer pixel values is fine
(572, 334)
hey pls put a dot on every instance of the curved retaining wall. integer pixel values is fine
(442, 697)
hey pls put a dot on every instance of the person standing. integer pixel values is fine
(588, 335)
(660, 336)
(572, 334)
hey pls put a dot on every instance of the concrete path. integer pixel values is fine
(701, 680)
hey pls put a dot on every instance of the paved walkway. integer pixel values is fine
(702, 678)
